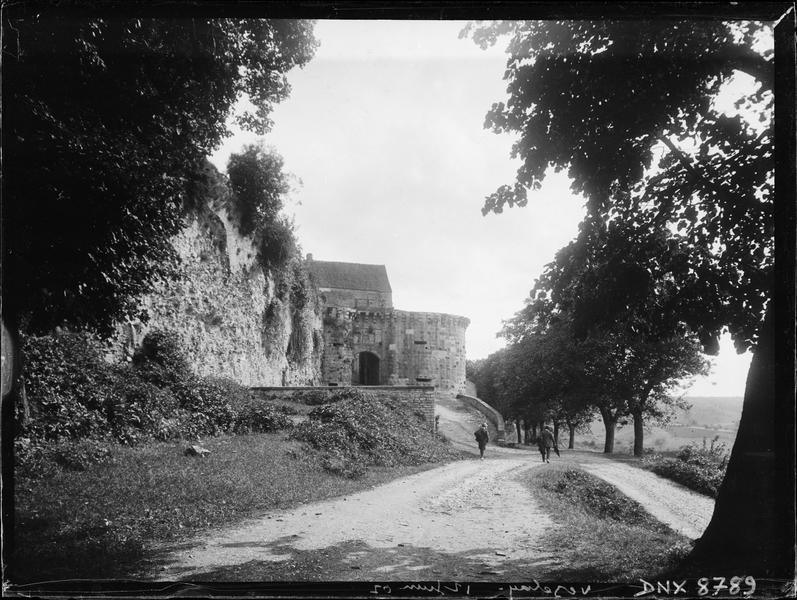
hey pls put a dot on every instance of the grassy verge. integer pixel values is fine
(602, 535)
(99, 523)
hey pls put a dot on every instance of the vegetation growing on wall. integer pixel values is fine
(258, 185)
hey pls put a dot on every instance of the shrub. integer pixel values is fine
(41, 458)
(700, 469)
(161, 359)
(255, 416)
(276, 243)
(210, 402)
(140, 409)
(258, 184)
(67, 384)
(355, 430)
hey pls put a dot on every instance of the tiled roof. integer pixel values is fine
(349, 276)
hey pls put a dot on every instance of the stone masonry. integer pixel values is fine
(368, 342)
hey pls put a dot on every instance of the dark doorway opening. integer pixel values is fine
(369, 369)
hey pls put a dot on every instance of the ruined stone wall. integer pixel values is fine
(419, 399)
(234, 319)
(429, 348)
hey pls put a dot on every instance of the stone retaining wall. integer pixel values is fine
(417, 398)
(488, 411)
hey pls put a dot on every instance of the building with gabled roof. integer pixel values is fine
(352, 285)
(369, 342)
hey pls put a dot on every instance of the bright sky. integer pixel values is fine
(384, 128)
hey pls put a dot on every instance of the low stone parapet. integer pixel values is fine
(488, 411)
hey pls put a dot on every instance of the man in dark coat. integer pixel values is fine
(482, 437)
(545, 442)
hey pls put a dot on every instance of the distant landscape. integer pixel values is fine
(709, 418)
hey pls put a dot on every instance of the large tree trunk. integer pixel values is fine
(752, 529)
(519, 432)
(532, 438)
(570, 443)
(526, 434)
(753, 523)
(610, 423)
(639, 432)
(556, 434)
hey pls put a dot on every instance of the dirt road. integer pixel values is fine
(464, 519)
(468, 520)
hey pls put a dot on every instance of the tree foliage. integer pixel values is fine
(258, 185)
(107, 121)
(627, 108)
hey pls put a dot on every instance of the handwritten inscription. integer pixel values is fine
(556, 591)
(705, 587)
(438, 588)
(689, 588)
(715, 585)
(514, 591)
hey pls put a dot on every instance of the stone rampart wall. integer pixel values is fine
(429, 347)
(232, 317)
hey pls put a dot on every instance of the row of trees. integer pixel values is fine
(573, 355)
(678, 242)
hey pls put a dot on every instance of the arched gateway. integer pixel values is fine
(368, 369)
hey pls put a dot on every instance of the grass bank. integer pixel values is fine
(99, 523)
(602, 535)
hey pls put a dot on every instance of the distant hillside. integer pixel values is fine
(718, 411)
(709, 417)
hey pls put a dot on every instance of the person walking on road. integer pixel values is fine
(482, 437)
(545, 442)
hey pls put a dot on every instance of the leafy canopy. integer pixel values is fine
(107, 122)
(627, 107)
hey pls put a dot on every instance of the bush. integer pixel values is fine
(140, 409)
(40, 458)
(261, 419)
(699, 469)
(79, 403)
(258, 184)
(161, 359)
(68, 385)
(355, 430)
(210, 400)
(276, 244)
